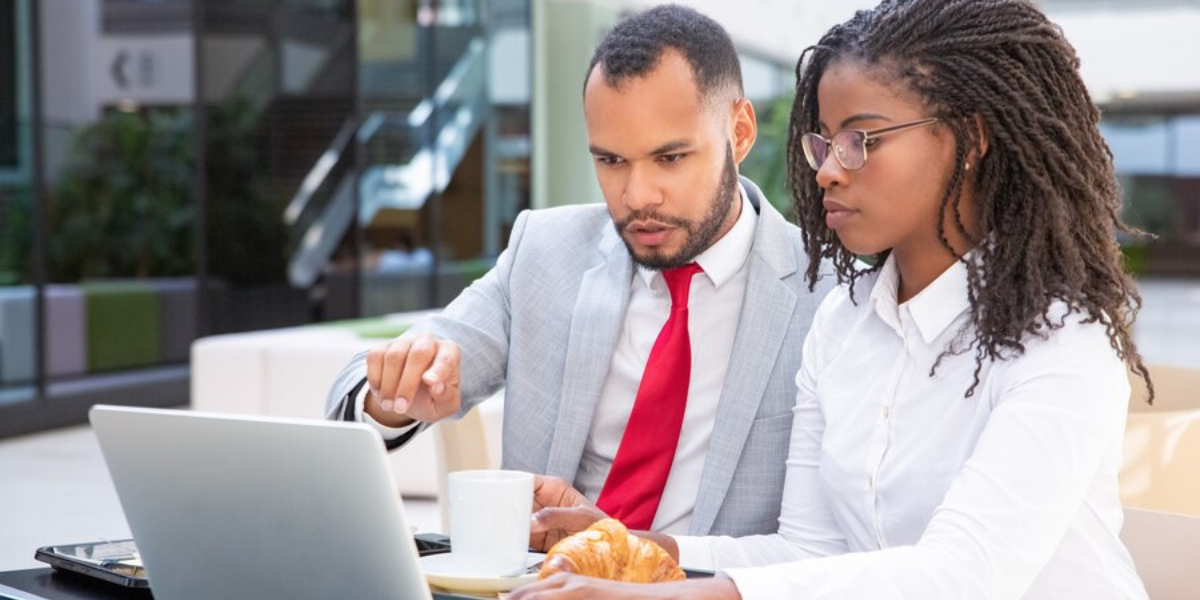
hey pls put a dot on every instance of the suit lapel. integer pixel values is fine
(595, 325)
(766, 314)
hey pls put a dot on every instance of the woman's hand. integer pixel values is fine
(563, 586)
(559, 510)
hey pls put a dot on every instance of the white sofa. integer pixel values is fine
(288, 372)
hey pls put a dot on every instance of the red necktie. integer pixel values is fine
(639, 472)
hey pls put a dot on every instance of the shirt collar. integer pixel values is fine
(725, 258)
(932, 310)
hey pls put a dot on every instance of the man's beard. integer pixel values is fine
(700, 235)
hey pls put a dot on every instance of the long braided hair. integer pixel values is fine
(1048, 202)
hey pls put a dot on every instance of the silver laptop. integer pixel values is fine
(233, 507)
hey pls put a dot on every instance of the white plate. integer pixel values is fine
(441, 571)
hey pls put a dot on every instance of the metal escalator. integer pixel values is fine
(410, 149)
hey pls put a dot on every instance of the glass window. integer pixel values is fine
(118, 169)
(1158, 160)
(18, 307)
(444, 149)
(278, 83)
(223, 166)
(1186, 149)
(8, 84)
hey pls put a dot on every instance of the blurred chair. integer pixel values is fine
(1176, 388)
(177, 299)
(1166, 550)
(16, 334)
(65, 350)
(1161, 465)
(287, 373)
(123, 321)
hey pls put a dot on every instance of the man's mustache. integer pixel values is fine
(649, 215)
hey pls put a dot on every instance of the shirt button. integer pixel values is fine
(870, 483)
(886, 413)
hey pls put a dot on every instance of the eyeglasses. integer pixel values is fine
(850, 145)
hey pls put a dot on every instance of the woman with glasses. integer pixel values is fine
(962, 399)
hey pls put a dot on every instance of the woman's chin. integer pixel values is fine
(858, 246)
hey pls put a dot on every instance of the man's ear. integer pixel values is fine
(743, 128)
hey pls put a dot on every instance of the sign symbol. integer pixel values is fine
(118, 70)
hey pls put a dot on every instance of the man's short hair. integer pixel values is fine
(636, 45)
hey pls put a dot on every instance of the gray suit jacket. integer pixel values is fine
(544, 323)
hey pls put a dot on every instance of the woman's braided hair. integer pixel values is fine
(1048, 202)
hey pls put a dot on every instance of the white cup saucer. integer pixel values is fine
(442, 571)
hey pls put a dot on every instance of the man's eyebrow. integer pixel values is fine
(666, 148)
(670, 147)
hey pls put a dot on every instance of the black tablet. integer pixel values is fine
(116, 561)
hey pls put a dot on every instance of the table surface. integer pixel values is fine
(51, 585)
(64, 585)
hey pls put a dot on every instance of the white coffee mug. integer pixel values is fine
(489, 520)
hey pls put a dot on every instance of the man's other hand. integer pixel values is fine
(559, 510)
(413, 378)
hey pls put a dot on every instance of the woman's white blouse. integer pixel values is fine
(898, 486)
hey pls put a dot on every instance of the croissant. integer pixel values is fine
(607, 550)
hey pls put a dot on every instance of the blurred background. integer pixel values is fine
(172, 170)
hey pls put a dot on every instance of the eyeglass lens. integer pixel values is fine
(847, 145)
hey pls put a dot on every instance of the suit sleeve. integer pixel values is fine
(478, 321)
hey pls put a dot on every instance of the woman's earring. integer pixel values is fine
(966, 166)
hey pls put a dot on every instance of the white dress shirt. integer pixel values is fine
(899, 487)
(714, 305)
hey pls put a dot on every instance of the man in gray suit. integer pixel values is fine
(582, 320)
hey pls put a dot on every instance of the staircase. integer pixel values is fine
(411, 143)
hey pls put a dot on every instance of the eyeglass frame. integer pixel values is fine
(867, 136)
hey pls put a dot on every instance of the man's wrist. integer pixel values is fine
(390, 428)
(403, 421)
(386, 418)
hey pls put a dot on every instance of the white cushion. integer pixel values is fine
(288, 373)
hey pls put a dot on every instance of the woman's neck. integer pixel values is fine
(916, 273)
(922, 259)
